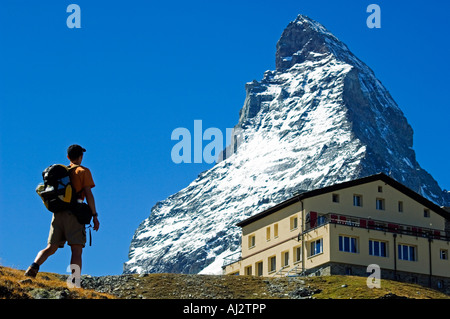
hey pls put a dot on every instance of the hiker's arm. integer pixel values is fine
(90, 199)
(91, 202)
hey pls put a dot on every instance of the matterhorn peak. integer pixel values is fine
(307, 40)
(320, 118)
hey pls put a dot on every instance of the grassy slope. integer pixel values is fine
(178, 286)
(14, 285)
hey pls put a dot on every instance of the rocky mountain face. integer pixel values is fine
(320, 118)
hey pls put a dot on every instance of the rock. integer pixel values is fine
(303, 292)
(63, 294)
(40, 293)
(392, 296)
(25, 281)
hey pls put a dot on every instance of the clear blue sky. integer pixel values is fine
(136, 70)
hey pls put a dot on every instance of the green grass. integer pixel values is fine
(356, 288)
(14, 285)
(179, 286)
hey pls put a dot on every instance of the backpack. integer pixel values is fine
(58, 194)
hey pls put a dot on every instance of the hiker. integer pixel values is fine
(65, 226)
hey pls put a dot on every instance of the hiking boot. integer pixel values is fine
(31, 272)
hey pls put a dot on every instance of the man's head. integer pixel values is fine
(75, 152)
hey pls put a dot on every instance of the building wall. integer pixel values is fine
(278, 233)
(286, 231)
(392, 261)
(329, 234)
(264, 258)
(413, 212)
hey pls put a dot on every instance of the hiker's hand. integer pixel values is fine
(96, 223)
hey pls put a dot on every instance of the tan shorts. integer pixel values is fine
(65, 227)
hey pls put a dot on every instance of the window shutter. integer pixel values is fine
(313, 219)
(362, 223)
(393, 227)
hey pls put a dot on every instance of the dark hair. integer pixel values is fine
(74, 151)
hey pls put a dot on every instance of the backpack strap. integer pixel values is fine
(90, 234)
(70, 168)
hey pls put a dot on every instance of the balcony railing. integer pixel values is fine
(315, 220)
(232, 258)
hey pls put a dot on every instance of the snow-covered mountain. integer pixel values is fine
(320, 118)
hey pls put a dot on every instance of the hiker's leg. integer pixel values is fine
(40, 258)
(77, 251)
(45, 253)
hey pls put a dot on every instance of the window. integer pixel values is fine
(426, 213)
(380, 189)
(407, 252)
(347, 244)
(275, 231)
(268, 233)
(297, 254)
(377, 248)
(352, 222)
(357, 200)
(285, 259)
(380, 226)
(335, 198)
(321, 220)
(316, 247)
(248, 270)
(444, 254)
(259, 268)
(380, 204)
(400, 207)
(251, 241)
(294, 223)
(272, 264)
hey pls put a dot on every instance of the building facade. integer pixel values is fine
(344, 228)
